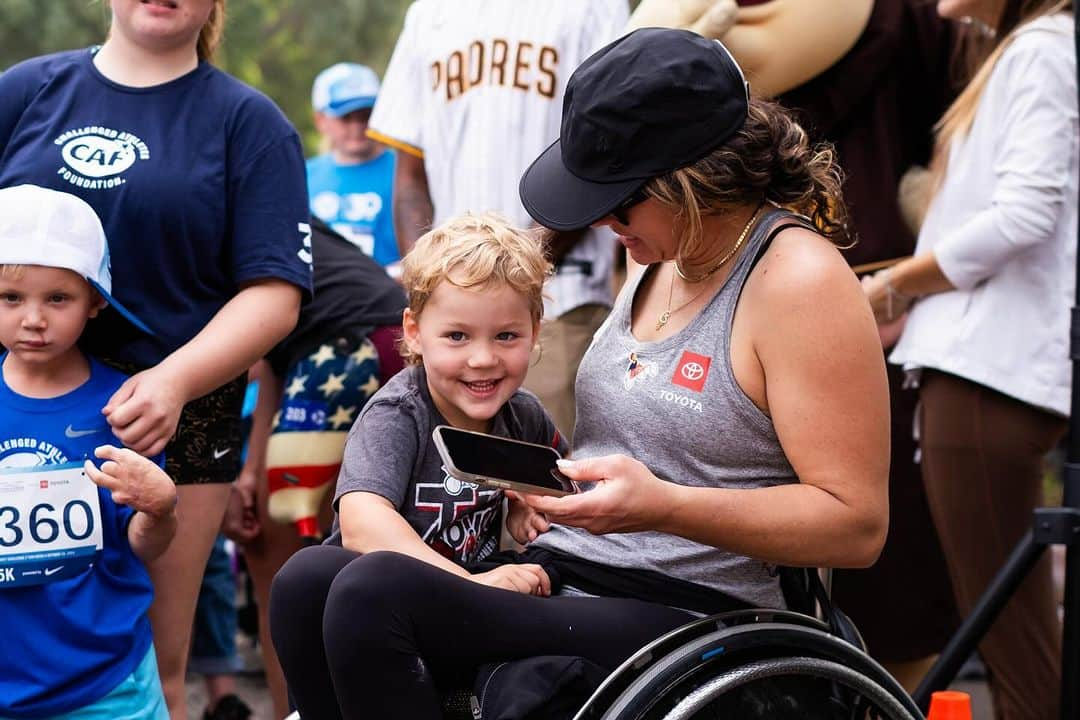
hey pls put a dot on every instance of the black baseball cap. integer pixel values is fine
(653, 101)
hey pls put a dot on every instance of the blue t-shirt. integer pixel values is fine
(199, 183)
(355, 201)
(70, 642)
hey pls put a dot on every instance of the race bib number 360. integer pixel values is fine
(50, 524)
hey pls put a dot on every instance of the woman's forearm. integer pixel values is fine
(918, 276)
(797, 524)
(242, 332)
(892, 291)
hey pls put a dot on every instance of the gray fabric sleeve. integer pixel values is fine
(380, 453)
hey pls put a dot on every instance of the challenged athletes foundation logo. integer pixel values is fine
(94, 157)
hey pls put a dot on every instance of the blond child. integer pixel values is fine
(475, 302)
(74, 590)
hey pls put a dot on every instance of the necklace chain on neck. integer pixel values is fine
(727, 256)
(663, 318)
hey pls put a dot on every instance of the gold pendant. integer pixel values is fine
(662, 320)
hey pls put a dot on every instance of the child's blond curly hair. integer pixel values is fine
(475, 252)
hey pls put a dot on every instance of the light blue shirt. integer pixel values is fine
(355, 201)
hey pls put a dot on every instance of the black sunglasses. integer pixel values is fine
(635, 198)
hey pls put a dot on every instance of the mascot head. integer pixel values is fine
(780, 44)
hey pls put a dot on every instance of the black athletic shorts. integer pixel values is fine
(209, 437)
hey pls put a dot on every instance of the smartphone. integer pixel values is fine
(508, 464)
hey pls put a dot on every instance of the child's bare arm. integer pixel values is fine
(140, 484)
(370, 522)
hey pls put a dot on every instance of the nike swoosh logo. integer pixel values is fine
(73, 433)
(218, 454)
(53, 571)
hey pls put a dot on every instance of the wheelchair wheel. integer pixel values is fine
(656, 689)
(876, 697)
(644, 659)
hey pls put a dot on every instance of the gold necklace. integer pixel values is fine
(662, 318)
(730, 253)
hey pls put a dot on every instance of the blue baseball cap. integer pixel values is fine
(340, 89)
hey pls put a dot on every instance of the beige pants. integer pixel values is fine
(555, 364)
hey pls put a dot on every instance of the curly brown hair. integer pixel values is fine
(769, 159)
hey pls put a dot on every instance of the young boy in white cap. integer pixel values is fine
(74, 537)
(350, 184)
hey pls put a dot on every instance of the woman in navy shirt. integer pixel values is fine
(199, 183)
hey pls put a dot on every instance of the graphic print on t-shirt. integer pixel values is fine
(21, 452)
(96, 157)
(464, 513)
(637, 370)
(351, 215)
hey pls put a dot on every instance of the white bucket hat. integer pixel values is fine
(56, 229)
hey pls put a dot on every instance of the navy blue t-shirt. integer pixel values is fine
(70, 642)
(199, 183)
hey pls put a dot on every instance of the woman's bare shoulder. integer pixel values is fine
(801, 264)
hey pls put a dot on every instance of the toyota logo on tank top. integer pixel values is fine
(692, 371)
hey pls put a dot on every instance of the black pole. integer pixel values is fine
(979, 620)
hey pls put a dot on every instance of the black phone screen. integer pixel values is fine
(496, 457)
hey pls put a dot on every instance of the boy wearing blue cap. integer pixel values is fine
(73, 537)
(350, 184)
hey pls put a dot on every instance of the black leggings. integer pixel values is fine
(378, 635)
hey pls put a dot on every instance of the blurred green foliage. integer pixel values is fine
(277, 46)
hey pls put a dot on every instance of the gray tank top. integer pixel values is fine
(674, 405)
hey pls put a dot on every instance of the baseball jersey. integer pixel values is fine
(475, 88)
(355, 201)
(76, 638)
(199, 184)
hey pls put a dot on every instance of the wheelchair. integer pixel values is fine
(807, 663)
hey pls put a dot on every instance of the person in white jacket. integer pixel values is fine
(987, 297)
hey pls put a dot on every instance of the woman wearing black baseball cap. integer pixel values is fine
(732, 411)
(763, 352)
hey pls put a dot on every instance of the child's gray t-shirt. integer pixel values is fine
(389, 452)
(674, 405)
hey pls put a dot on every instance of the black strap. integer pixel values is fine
(607, 581)
(792, 220)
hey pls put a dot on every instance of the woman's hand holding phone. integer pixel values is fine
(625, 496)
(527, 579)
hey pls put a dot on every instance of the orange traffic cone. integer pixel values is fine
(949, 705)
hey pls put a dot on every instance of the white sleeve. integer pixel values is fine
(1037, 152)
(396, 119)
(605, 20)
